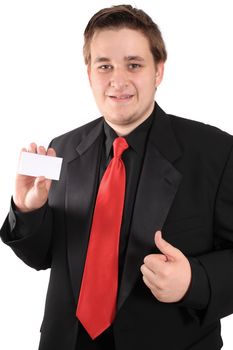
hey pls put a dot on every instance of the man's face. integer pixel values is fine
(123, 76)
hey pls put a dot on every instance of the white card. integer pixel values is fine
(33, 164)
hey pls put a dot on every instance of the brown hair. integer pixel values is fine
(125, 16)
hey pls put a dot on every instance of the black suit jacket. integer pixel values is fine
(185, 189)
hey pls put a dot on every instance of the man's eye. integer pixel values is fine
(105, 67)
(134, 66)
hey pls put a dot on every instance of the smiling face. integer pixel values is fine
(123, 77)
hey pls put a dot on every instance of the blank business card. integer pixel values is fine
(33, 164)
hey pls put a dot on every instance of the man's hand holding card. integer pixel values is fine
(37, 168)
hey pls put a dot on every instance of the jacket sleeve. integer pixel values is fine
(215, 271)
(30, 235)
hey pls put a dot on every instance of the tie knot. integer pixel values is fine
(119, 146)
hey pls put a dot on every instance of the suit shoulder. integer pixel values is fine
(73, 137)
(199, 134)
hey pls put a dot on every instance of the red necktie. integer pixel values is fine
(97, 299)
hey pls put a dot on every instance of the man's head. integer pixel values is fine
(125, 56)
(125, 16)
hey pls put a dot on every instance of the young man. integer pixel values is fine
(116, 282)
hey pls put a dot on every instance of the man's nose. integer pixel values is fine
(119, 79)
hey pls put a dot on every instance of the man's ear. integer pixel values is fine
(89, 73)
(159, 73)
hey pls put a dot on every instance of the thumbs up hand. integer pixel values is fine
(167, 275)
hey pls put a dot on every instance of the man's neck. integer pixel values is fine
(124, 130)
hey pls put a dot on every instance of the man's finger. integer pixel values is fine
(148, 273)
(155, 262)
(147, 282)
(51, 152)
(32, 147)
(41, 150)
(166, 248)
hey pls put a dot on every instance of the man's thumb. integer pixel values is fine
(166, 248)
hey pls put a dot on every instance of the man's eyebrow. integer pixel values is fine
(134, 58)
(100, 59)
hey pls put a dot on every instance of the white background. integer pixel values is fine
(44, 92)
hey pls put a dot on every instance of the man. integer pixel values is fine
(165, 281)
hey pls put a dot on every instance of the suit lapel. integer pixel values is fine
(82, 181)
(158, 185)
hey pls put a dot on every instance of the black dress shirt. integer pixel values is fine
(133, 160)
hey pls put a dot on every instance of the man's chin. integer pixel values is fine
(120, 120)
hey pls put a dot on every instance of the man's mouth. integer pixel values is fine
(125, 97)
